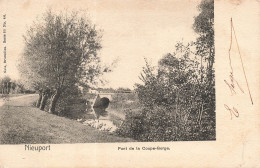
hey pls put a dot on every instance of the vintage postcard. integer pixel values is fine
(135, 83)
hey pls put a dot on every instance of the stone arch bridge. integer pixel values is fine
(105, 96)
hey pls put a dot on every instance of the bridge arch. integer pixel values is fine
(101, 102)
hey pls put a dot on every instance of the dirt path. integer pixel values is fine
(22, 99)
(20, 123)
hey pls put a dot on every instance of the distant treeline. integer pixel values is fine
(111, 90)
(9, 86)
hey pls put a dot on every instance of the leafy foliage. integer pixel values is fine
(178, 97)
(61, 53)
(10, 86)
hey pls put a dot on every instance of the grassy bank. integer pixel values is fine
(21, 123)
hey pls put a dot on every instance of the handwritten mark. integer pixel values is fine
(232, 85)
(232, 111)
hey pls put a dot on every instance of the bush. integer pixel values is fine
(177, 100)
(152, 124)
(159, 124)
(71, 104)
(132, 126)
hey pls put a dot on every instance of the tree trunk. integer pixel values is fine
(54, 100)
(176, 105)
(210, 67)
(44, 99)
(39, 100)
(43, 102)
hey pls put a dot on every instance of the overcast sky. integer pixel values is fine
(132, 30)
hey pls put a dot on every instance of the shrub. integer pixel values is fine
(152, 124)
(159, 123)
(71, 104)
(177, 100)
(133, 126)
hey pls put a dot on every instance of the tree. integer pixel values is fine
(175, 102)
(178, 100)
(204, 26)
(20, 88)
(60, 52)
(5, 85)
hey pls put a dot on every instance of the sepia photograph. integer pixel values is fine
(82, 76)
(129, 83)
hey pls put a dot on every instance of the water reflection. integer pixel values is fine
(100, 112)
(101, 120)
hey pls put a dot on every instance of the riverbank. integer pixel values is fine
(21, 123)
